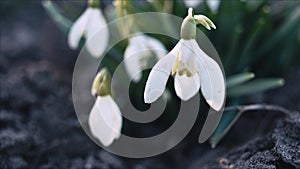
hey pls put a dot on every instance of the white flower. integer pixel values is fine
(192, 3)
(105, 120)
(140, 50)
(213, 5)
(191, 66)
(87, 25)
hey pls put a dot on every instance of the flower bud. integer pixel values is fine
(101, 85)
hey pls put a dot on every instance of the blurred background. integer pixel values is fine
(257, 41)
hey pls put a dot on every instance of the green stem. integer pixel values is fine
(121, 12)
(94, 3)
(54, 12)
(168, 6)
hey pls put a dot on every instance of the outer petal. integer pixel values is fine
(186, 87)
(211, 78)
(192, 3)
(78, 29)
(97, 40)
(157, 47)
(132, 64)
(213, 5)
(159, 75)
(134, 51)
(105, 120)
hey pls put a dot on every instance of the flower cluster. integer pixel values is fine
(192, 68)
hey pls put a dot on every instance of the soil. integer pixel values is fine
(39, 128)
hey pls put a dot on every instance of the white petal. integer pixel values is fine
(188, 56)
(211, 79)
(140, 46)
(159, 75)
(213, 5)
(78, 29)
(139, 39)
(131, 59)
(186, 48)
(192, 3)
(97, 33)
(157, 47)
(105, 120)
(186, 87)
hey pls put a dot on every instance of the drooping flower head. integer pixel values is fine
(105, 120)
(145, 47)
(87, 25)
(191, 67)
(141, 49)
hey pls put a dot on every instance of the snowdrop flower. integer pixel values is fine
(191, 66)
(105, 120)
(87, 25)
(192, 3)
(146, 47)
(213, 5)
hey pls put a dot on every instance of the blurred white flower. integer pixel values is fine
(105, 119)
(87, 25)
(192, 3)
(191, 66)
(213, 5)
(141, 48)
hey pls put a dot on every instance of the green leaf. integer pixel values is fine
(54, 12)
(254, 86)
(239, 78)
(227, 121)
(291, 22)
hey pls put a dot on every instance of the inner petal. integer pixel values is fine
(186, 87)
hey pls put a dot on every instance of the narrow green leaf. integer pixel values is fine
(254, 86)
(54, 12)
(239, 78)
(228, 120)
(287, 28)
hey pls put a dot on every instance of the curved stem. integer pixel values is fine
(269, 107)
(244, 108)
